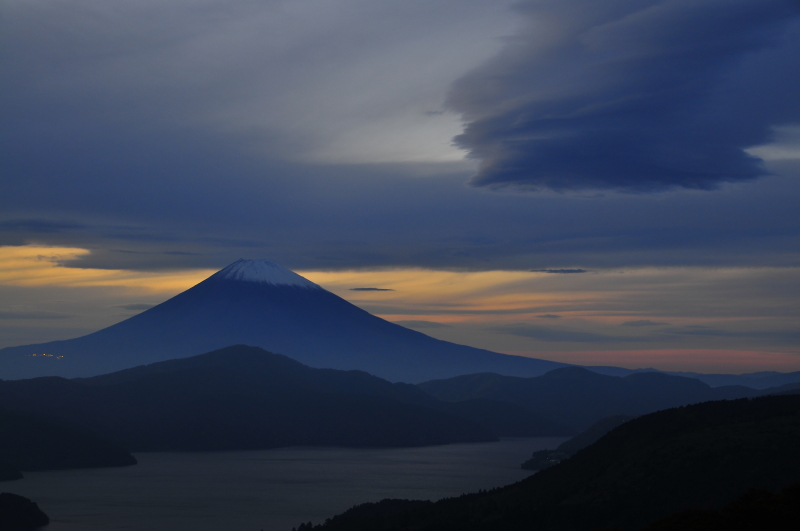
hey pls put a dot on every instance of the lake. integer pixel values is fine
(269, 490)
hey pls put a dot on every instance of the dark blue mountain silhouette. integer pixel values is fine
(259, 303)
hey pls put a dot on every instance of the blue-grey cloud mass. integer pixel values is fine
(314, 134)
(633, 95)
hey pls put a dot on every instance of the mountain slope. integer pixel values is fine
(542, 459)
(246, 398)
(754, 380)
(578, 397)
(262, 304)
(704, 455)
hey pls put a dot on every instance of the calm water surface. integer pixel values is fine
(273, 490)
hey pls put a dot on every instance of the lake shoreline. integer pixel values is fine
(273, 490)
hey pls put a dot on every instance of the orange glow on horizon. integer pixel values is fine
(33, 265)
(443, 296)
(480, 307)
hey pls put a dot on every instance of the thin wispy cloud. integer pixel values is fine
(776, 336)
(422, 324)
(643, 322)
(371, 289)
(559, 271)
(563, 335)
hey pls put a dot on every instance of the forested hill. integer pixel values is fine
(703, 455)
(242, 398)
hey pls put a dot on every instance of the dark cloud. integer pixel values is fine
(231, 242)
(22, 231)
(549, 316)
(38, 226)
(148, 191)
(558, 271)
(422, 324)
(643, 322)
(346, 217)
(635, 96)
(371, 289)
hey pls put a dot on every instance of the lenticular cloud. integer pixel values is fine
(635, 96)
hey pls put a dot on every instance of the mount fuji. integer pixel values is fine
(260, 303)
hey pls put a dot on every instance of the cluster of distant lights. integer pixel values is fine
(46, 356)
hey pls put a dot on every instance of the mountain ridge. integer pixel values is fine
(578, 397)
(242, 398)
(237, 306)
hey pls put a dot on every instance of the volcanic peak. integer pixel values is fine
(263, 272)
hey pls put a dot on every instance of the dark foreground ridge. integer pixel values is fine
(547, 458)
(700, 456)
(20, 514)
(758, 509)
(241, 398)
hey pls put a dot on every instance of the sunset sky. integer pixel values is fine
(604, 183)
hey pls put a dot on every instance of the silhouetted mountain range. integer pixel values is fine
(754, 380)
(699, 456)
(246, 398)
(259, 303)
(578, 397)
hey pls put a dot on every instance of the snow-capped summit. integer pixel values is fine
(263, 272)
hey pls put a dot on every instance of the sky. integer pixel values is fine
(603, 183)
